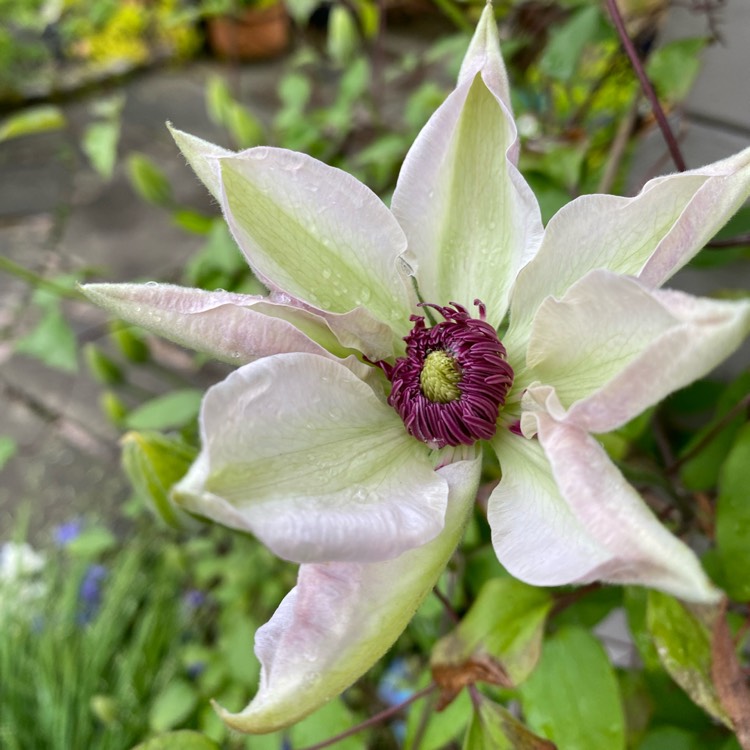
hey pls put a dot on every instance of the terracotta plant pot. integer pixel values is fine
(255, 34)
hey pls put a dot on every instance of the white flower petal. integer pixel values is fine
(470, 218)
(316, 232)
(534, 533)
(612, 347)
(628, 543)
(651, 235)
(234, 328)
(301, 452)
(202, 157)
(342, 617)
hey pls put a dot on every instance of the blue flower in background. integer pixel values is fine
(65, 533)
(90, 593)
(193, 599)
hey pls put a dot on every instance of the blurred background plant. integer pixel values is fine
(116, 629)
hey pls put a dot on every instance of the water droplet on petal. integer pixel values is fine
(152, 283)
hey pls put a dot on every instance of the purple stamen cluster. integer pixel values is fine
(485, 378)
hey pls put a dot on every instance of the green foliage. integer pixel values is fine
(182, 740)
(148, 180)
(8, 448)
(502, 630)
(572, 697)
(674, 67)
(52, 340)
(493, 727)
(153, 464)
(39, 119)
(175, 409)
(566, 46)
(683, 643)
(733, 517)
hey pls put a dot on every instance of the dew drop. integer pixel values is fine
(326, 272)
(360, 494)
(152, 283)
(235, 355)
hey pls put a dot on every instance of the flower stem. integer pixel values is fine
(648, 89)
(452, 614)
(373, 720)
(742, 405)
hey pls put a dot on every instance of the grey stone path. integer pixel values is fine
(67, 458)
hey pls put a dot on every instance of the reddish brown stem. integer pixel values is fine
(648, 89)
(373, 720)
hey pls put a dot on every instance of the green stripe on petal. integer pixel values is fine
(316, 232)
(469, 216)
(651, 235)
(202, 157)
(231, 327)
(342, 617)
(612, 347)
(566, 514)
(300, 452)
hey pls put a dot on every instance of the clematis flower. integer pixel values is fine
(349, 438)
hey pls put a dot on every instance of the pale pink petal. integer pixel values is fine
(651, 235)
(234, 328)
(627, 542)
(613, 347)
(534, 533)
(342, 617)
(299, 451)
(470, 218)
(316, 233)
(202, 157)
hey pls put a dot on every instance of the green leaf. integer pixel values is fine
(673, 68)
(52, 341)
(192, 221)
(148, 180)
(561, 56)
(495, 728)
(219, 100)
(440, 727)
(219, 254)
(172, 706)
(129, 342)
(326, 722)
(99, 143)
(101, 367)
(669, 738)
(32, 120)
(183, 740)
(113, 408)
(733, 517)
(8, 447)
(683, 642)
(701, 472)
(295, 91)
(170, 411)
(502, 630)
(343, 38)
(244, 127)
(92, 543)
(153, 464)
(572, 697)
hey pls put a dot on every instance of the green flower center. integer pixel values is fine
(440, 377)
